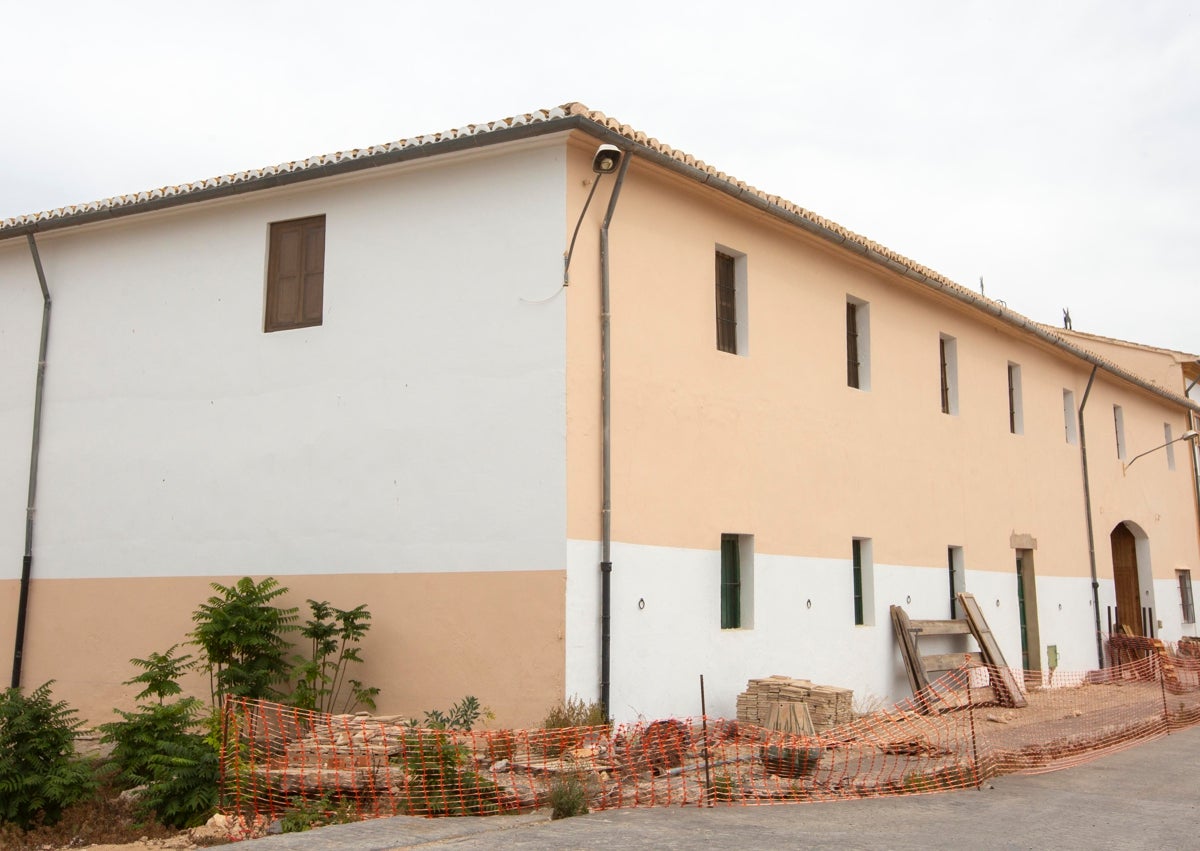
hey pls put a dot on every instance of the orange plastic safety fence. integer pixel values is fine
(278, 759)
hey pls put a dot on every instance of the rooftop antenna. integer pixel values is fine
(1067, 318)
(981, 292)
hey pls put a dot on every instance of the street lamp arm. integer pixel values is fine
(1190, 434)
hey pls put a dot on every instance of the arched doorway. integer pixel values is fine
(1125, 577)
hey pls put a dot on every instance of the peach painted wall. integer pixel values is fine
(434, 638)
(775, 444)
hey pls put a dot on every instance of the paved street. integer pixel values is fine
(1145, 797)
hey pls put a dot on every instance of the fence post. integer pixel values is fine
(708, 787)
(974, 745)
(1159, 658)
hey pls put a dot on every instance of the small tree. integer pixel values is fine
(39, 772)
(243, 638)
(334, 636)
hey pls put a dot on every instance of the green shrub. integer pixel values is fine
(560, 733)
(723, 788)
(39, 772)
(569, 795)
(438, 782)
(307, 813)
(463, 716)
(243, 639)
(242, 636)
(333, 636)
(184, 779)
(575, 712)
(158, 745)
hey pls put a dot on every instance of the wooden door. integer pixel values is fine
(1125, 576)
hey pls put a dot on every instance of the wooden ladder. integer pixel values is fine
(919, 667)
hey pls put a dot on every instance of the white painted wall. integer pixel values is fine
(659, 651)
(423, 424)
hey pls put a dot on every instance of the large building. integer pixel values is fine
(723, 442)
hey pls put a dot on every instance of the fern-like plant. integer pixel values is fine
(159, 745)
(39, 771)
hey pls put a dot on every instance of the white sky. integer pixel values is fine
(1051, 147)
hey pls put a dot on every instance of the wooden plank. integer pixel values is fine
(955, 627)
(1006, 689)
(917, 678)
(790, 716)
(942, 662)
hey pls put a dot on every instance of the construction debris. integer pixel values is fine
(766, 701)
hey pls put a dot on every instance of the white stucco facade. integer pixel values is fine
(431, 393)
(666, 626)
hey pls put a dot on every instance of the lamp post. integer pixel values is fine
(1190, 434)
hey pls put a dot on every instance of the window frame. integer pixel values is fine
(948, 362)
(1070, 417)
(862, 573)
(1016, 408)
(726, 283)
(956, 566)
(1119, 431)
(308, 261)
(1187, 603)
(858, 343)
(731, 302)
(857, 569)
(737, 581)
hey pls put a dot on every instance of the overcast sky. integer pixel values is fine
(1052, 148)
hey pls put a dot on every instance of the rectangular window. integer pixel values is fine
(1185, 595)
(948, 355)
(958, 578)
(295, 274)
(1119, 428)
(737, 581)
(863, 573)
(1070, 423)
(858, 343)
(732, 303)
(1168, 442)
(1016, 414)
(856, 559)
(726, 305)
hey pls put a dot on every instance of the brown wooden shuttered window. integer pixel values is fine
(295, 274)
(726, 305)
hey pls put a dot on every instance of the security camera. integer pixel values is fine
(607, 158)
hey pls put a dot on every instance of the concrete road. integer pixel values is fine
(1144, 797)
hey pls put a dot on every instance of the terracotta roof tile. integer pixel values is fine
(311, 163)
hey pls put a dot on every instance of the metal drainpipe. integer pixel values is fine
(27, 560)
(1087, 510)
(606, 451)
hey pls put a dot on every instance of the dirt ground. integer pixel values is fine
(200, 837)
